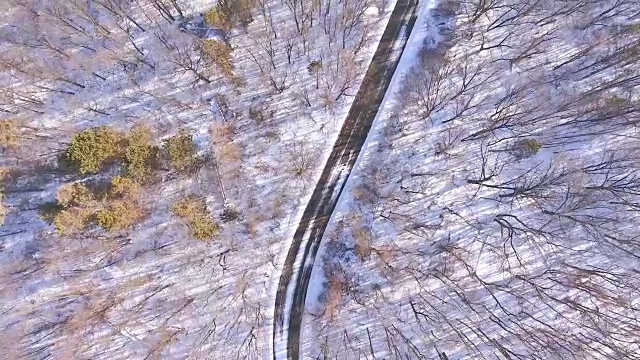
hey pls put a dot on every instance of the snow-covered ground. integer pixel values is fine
(152, 291)
(424, 28)
(493, 212)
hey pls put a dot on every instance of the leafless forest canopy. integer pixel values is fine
(155, 153)
(496, 213)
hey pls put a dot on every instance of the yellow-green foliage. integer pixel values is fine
(630, 29)
(122, 209)
(203, 228)
(189, 206)
(219, 53)
(180, 150)
(122, 187)
(194, 210)
(525, 148)
(533, 146)
(74, 194)
(119, 215)
(314, 67)
(91, 149)
(140, 153)
(77, 207)
(228, 13)
(8, 133)
(74, 219)
(615, 102)
(118, 208)
(3, 208)
(218, 17)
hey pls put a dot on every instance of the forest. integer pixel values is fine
(494, 212)
(156, 157)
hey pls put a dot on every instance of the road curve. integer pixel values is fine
(343, 156)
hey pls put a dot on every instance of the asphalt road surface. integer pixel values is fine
(343, 156)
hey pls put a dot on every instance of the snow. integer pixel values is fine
(327, 137)
(442, 279)
(153, 291)
(439, 276)
(422, 29)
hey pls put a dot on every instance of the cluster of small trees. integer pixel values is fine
(95, 149)
(117, 205)
(79, 205)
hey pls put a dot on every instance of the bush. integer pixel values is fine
(140, 154)
(218, 17)
(363, 244)
(222, 103)
(189, 207)
(122, 210)
(219, 53)
(241, 9)
(72, 210)
(119, 215)
(228, 13)
(194, 210)
(260, 112)
(180, 151)
(230, 214)
(91, 149)
(3, 209)
(122, 187)
(203, 228)
(72, 220)
(525, 148)
(106, 219)
(314, 67)
(629, 29)
(616, 102)
(77, 206)
(230, 153)
(75, 194)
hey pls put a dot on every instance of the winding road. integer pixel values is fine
(341, 161)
